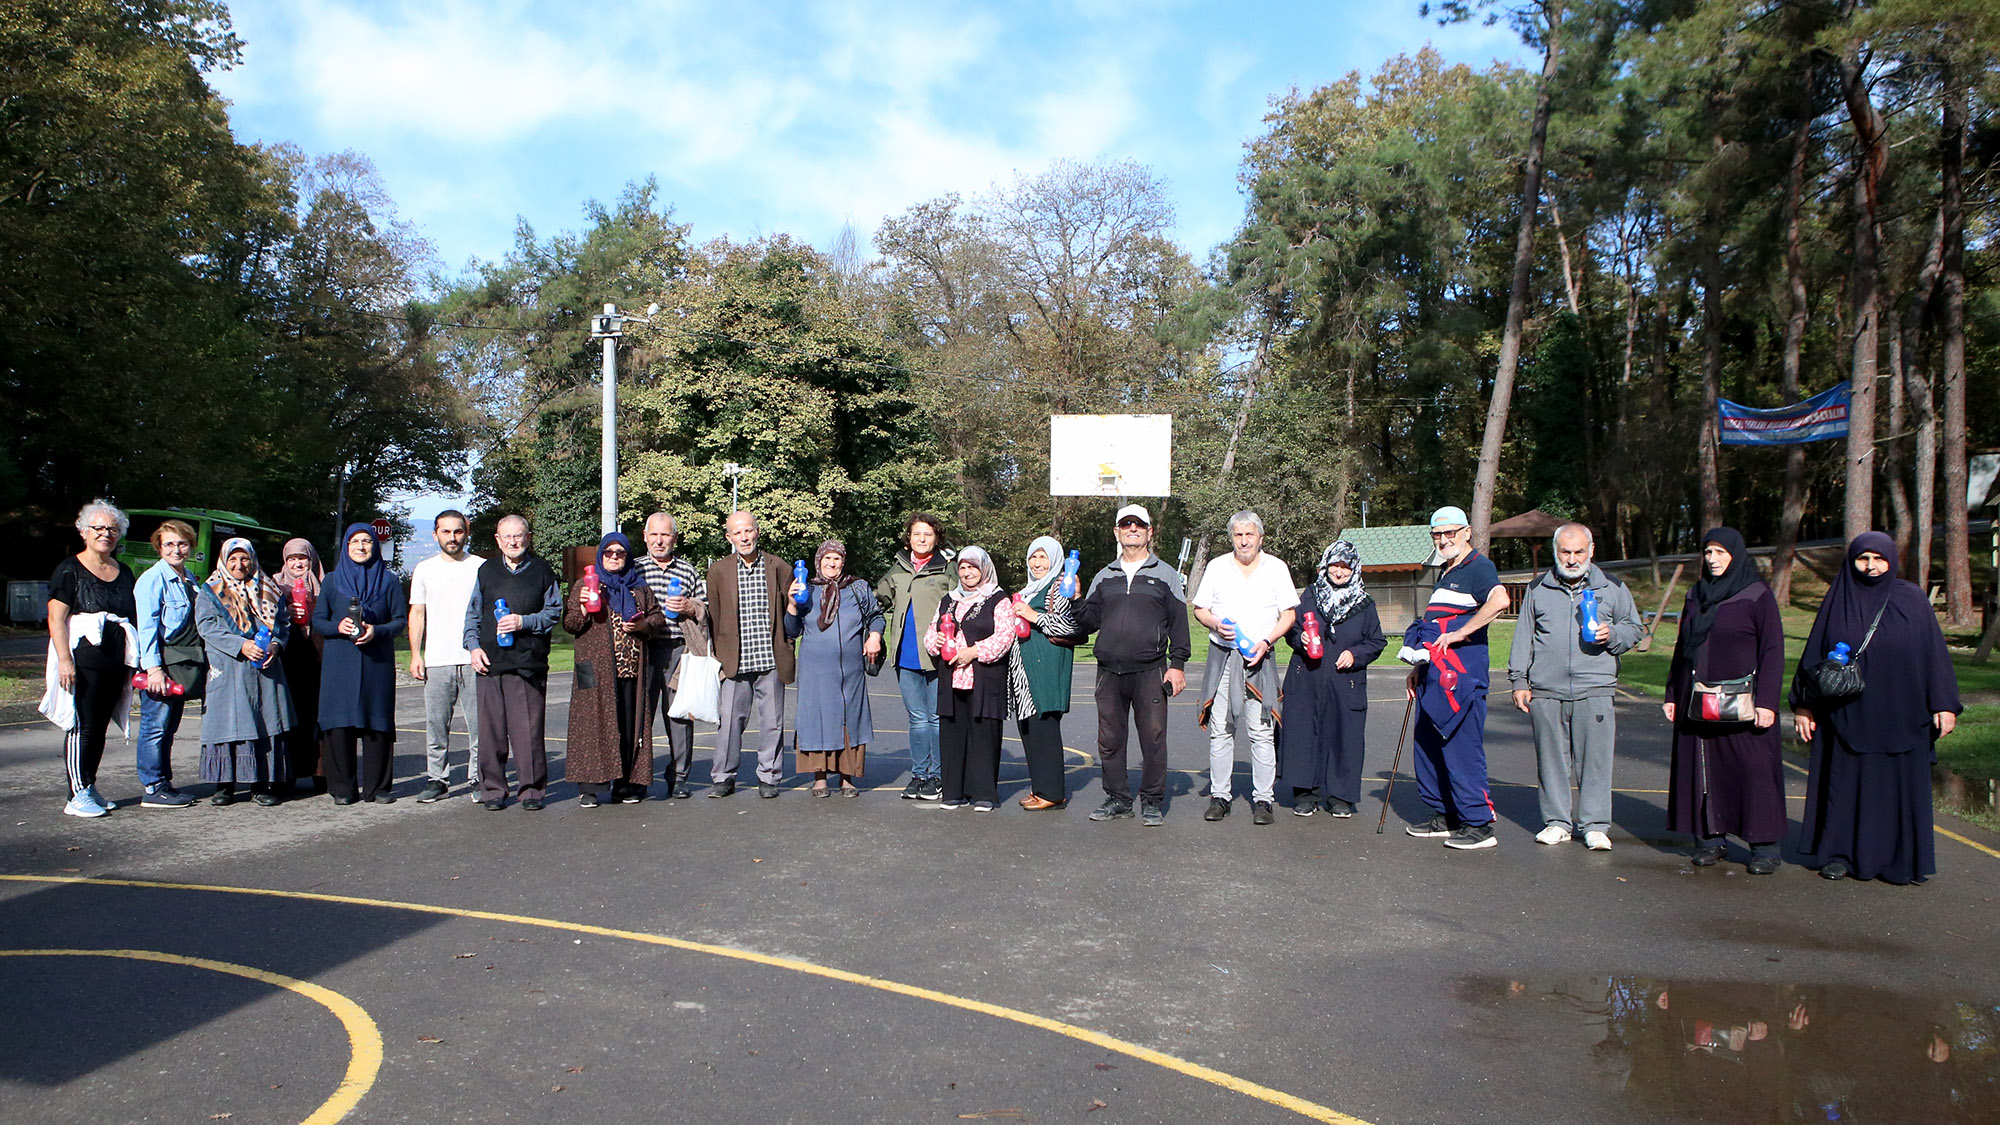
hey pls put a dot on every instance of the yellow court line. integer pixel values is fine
(1973, 844)
(1181, 1066)
(364, 1039)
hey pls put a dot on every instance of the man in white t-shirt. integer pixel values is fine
(1247, 595)
(440, 587)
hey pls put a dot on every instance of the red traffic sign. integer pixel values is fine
(381, 527)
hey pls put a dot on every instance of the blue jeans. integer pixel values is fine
(920, 700)
(158, 720)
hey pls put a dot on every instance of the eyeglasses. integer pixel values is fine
(1129, 521)
(1452, 534)
(100, 529)
(614, 553)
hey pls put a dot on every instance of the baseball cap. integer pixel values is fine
(1138, 510)
(1449, 516)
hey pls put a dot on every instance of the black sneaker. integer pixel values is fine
(722, 788)
(632, 795)
(588, 801)
(1112, 809)
(1472, 837)
(1260, 812)
(434, 791)
(531, 805)
(494, 805)
(1217, 809)
(933, 789)
(1708, 855)
(682, 792)
(1434, 828)
(1764, 863)
(1152, 814)
(1305, 806)
(914, 791)
(767, 790)
(1335, 807)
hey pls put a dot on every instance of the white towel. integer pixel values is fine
(59, 706)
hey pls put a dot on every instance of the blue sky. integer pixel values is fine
(761, 118)
(795, 117)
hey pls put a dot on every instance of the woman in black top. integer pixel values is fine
(92, 649)
(972, 686)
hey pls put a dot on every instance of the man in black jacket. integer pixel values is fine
(1138, 608)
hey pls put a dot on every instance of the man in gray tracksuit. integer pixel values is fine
(1565, 684)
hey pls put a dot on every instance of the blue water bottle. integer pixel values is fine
(264, 643)
(1840, 654)
(1244, 644)
(673, 591)
(500, 610)
(1587, 613)
(1067, 587)
(804, 596)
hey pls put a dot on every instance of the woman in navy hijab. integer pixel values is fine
(1868, 796)
(361, 612)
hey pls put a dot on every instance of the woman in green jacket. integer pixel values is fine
(917, 581)
(1048, 665)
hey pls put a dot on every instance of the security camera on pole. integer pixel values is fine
(609, 326)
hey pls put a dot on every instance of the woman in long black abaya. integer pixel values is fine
(1868, 795)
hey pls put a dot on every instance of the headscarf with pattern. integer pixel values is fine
(1338, 603)
(250, 602)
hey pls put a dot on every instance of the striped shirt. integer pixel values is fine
(656, 576)
(1462, 590)
(753, 618)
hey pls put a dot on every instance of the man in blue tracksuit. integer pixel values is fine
(1448, 645)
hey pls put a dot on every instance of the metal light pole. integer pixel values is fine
(734, 472)
(609, 326)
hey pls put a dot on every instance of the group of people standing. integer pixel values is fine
(298, 673)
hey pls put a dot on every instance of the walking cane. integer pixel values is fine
(1398, 761)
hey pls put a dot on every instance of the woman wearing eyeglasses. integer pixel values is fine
(610, 755)
(93, 651)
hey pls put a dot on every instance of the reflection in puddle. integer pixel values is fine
(1748, 1052)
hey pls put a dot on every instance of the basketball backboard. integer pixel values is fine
(1111, 454)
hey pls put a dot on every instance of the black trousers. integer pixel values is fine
(680, 732)
(1041, 743)
(99, 686)
(969, 752)
(376, 761)
(1144, 693)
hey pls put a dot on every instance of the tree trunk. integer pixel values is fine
(1793, 510)
(1951, 206)
(1711, 375)
(1858, 514)
(1199, 561)
(1909, 371)
(1487, 479)
(1891, 452)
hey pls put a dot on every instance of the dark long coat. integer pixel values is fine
(357, 685)
(1729, 778)
(1326, 708)
(593, 756)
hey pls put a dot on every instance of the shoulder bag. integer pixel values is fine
(1830, 684)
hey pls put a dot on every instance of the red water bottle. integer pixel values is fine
(301, 601)
(948, 628)
(592, 593)
(172, 688)
(1021, 626)
(1315, 646)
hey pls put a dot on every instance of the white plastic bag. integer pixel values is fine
(700, 690)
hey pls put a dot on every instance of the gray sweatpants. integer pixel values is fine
(1573, 747)
(759, 696)
(446, 685)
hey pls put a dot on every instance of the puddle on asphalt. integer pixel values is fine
(1725, 1051)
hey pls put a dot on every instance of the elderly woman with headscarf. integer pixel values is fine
(93, 651)
(978, 617)
(1320, 746)
(361, 611)
(249, 708)
(300, 579)
(832, 724)
(1722, 698)
(610, 750)
(1046, 663)
(1868, 793)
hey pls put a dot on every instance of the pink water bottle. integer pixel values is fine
(172, 688)
(949, 629)
(1021, 626)
(592, 592)
(301, 601)
(1315, 647)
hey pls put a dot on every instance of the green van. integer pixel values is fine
(211, 529)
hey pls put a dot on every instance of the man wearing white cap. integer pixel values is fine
(1138, 608)
(1448, 645)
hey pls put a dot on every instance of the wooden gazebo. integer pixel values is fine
(1534, 526)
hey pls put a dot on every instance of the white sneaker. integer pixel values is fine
(1553, 834)
(1597, 841)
